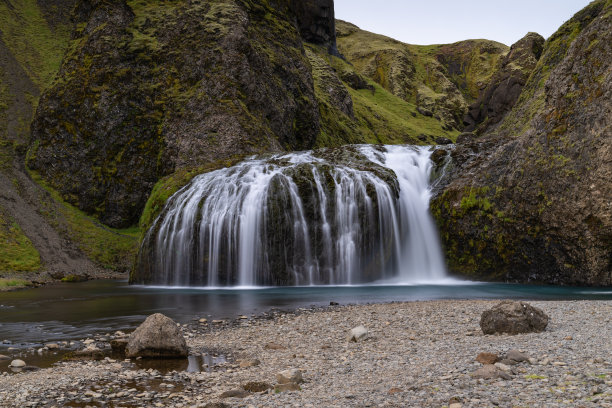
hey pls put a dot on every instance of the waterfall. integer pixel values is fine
(328, 217)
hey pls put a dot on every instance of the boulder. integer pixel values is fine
(358, 334)
(118, 345)
(513, 318)
(515, 355)
(157, 337)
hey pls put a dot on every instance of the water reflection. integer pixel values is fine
(77, 310)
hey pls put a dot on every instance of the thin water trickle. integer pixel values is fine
(300, 219)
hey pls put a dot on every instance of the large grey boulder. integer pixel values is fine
(157, 337)
(513, 318)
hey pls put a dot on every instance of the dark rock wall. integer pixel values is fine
(530, 200)
(316, 21)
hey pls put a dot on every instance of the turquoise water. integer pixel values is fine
(77, 310)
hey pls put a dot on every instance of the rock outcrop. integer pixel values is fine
(316, 22)
(157, 337)
(530, 200)
(506, 85)
(513, 318)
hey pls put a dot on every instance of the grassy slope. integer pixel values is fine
(16, 251)
(405, 69)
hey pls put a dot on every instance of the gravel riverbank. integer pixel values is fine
(419, 354)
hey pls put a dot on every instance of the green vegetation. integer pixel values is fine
(111, 248)
(16, 251)
(34, 43)
(8, 284)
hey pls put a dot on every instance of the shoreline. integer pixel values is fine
(419, 353)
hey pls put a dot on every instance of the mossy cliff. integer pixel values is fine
(530, 200)
(149, 88)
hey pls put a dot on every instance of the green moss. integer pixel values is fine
(16, 251)
(110, 248)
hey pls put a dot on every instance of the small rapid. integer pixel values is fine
(330, 217)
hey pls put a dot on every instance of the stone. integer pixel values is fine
(517, 356)
(287, 387)
(394, 390)
(216, 405)
(503, 367)
(513, 318)
(455, 405)
(487, 358)
(290, 376)
(235, 394)
(3, 357)
(157, 337)
(246, 363)
(443, 141)
(17, 364)
(465, 137)
(489, 371)
(52, 346)
(358, 334)
(203, 320)
(274, 346)
(256, 386)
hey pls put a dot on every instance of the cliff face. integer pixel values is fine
(150, 88)
(530, 200)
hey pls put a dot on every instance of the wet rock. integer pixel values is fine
(487, 358)
(157, 337)
(465, 137)
(513, 318)
(17, 364)
(119, 345)
(290, 376)
(287, 387)
(30, 368)
(443, 141)
(358, 334)
(235, 394)
(490, 371)
(256, 386)
(3, 357)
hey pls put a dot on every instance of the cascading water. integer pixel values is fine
(334, 216)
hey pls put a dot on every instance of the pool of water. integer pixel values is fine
(78, 310)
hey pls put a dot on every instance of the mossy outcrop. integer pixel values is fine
(530, 200)
(506, 85)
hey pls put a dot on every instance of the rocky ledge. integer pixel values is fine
(425, 354)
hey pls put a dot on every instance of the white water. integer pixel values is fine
(299, 220)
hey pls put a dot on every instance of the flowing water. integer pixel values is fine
(314, 218)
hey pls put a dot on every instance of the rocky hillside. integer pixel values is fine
(441, 80)
(530, 200)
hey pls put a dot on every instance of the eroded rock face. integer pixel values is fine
(506, 85)
(513, 318)
(157, 337)
(530, 200)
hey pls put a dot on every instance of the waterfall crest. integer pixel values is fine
(333, 216)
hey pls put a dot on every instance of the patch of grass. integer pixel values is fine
(37, 46)
(110, 248)
(535, 377)
(6, 284)
(16, 251)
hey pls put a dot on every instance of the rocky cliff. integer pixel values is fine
(150, 88)
(530, 200)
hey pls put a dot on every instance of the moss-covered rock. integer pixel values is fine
(530, 200)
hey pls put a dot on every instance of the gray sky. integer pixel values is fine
(448, 21)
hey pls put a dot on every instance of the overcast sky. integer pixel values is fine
(448, 21)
